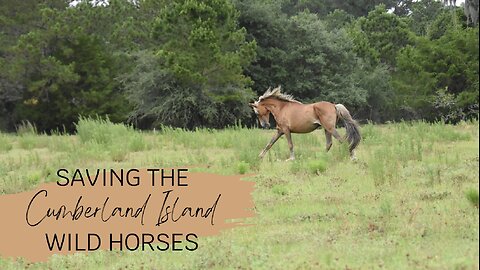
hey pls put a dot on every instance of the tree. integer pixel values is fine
(311, 59)
(422, 15)
(357, 8)
(379, 36)
(471, 8)
(445, 21)
(65, 72)
(448, 63)
(199, 64)
(338, 19)
(381, 96)
(267, 25)
(16, 18)
(320, 63)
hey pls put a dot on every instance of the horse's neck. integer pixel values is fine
(275, 106)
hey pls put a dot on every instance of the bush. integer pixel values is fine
(472, 197)
(317, 166)
(243, 167)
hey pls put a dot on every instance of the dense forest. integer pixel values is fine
(190, 64)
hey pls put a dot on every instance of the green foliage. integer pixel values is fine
(472, 197)
(302, 53)
(446, 20)
(243, 167)
(266, 24)
(16, 19)
(317, 166)
(195, 78)
(355, 8)
(423, 13)
(380, 93)
(202, 44)
(431, 66)
(380, 35)
(194, 64)
(338, 19)
(323, 69)
(66, 72)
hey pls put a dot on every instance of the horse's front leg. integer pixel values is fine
(269, 145)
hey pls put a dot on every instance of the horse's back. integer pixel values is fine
(324, 108)
(304, 118)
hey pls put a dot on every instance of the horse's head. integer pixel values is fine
(262, 113)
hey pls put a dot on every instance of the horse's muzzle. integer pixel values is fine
(265, 125)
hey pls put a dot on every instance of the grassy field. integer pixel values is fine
(410, 201)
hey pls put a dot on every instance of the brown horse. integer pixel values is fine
(294, 117)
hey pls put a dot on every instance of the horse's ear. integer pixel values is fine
(253, 105)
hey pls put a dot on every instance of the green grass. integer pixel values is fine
(410, 201)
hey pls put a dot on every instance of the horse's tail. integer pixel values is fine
(353, 130)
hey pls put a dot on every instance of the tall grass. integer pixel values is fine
(413, 183)
(103, 135)
(5, 143)
(101, 131)
(26, 128)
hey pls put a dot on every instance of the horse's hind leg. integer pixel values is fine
(290, 145)
(328, 124)
(328, 136)
(336, 135)
(328, 120)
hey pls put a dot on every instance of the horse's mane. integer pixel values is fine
(277, 93)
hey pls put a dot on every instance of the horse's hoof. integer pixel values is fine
(290, 159)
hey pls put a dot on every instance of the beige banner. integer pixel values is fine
(134, 209)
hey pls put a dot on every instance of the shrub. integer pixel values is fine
(243, 167)
(472, 197)
(317, 166)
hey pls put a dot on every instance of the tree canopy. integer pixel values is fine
(190, 64)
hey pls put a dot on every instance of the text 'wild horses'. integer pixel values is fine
(294, 117)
